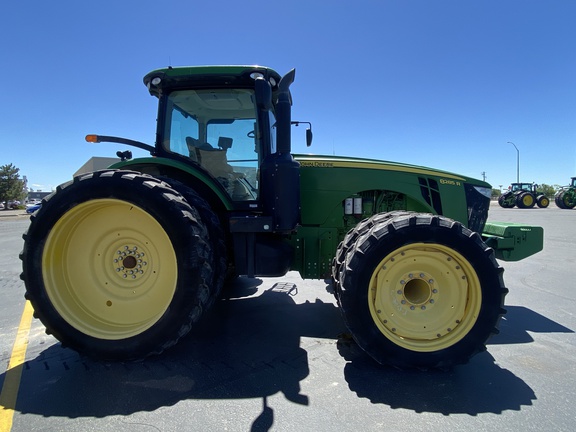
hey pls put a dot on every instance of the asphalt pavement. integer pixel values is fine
(12, 213)
(275, 358)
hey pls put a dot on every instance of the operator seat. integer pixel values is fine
(215, 161)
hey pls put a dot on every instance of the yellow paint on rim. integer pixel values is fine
(109, 269)
(528, 200)
(11, 385)
(424, 297)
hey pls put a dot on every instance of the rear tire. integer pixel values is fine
(564, 200)
(435, 306)
(558, 199)
(525, 200)
(506, 200)
(117, 265)
(215, 234)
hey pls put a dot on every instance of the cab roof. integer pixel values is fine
(208, 76)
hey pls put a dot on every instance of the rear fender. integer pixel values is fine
(191, 175)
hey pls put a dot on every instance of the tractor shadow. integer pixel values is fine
(249, 348)
(481, 386)
(252, 348)
(518, 321)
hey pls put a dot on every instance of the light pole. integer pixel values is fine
(517, 162)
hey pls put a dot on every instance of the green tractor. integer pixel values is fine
(565, 198)
(523, 195)
(121, 263)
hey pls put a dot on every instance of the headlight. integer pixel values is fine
(487, 192)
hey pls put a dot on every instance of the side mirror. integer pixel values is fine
(308, 137)
(308, 131)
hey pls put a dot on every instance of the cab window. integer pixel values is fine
(216, 129)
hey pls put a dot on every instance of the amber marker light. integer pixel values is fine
(92, 138)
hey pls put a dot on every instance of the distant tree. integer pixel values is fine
(547, 190)
(557, 187)
(496, 193)
(11, 186)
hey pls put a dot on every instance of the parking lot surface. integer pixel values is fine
(275, 357)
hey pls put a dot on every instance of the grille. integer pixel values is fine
(430, 192)
(478, 205)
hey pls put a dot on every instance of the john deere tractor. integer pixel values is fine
(121, 263)
(523, 195)
(565, 198)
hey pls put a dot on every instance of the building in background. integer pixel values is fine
(96, 163)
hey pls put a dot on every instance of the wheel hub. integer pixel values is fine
(129, 262)
(417, 290)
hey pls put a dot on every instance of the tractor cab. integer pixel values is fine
(216, 129)
(515, 187)
(209, 116)
(233, 122)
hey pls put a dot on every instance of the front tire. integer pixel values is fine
(117, 265)
(352, 235)
(421, 291)
(542, 201)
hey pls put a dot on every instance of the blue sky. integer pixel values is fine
(445, 83)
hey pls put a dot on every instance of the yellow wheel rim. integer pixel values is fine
(528, 200)
(544, 202)
(424, 297)
(101, 268)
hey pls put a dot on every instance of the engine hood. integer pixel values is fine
(324, 161)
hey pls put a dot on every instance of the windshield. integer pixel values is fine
(216, 129)
(521, 186)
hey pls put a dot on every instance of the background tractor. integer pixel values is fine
(565, 198)
(523, 195)
(121, 263)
